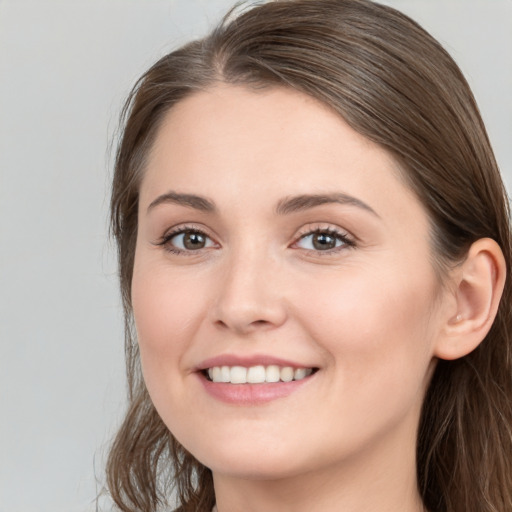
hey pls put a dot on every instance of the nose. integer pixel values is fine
(250, 295)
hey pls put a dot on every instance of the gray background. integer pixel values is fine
(65, 67)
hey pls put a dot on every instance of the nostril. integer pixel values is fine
(249, 327)
(248, 315)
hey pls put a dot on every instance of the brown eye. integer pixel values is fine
(193, 240)
(326, 240)
(323, 241)
(189, 240)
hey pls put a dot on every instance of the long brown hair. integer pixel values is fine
(394, 84)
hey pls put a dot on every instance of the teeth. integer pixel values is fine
(257, 374)
(299, 373)
(287, 374)
(238, 375)
(273, 373)
(225, 374)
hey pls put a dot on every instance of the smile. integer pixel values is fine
(256, 374)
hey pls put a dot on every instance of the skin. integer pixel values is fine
(369, 314)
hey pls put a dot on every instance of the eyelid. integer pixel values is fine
(165, 239)
(349, 241)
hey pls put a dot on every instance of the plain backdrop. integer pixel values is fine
(65, 67)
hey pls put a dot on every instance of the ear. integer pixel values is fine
(477, 288)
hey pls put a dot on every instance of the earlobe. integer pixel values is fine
(477, 291)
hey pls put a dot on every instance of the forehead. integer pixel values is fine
(231, 142)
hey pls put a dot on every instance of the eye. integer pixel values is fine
(324, 240)
(186, 240)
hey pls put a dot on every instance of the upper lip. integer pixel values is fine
(248, 361)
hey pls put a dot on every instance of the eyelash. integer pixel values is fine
(166, 239)
(347, 241)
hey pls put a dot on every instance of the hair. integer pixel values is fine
(394, 84)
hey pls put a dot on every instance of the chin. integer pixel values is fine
(254, 462)
(263, 469)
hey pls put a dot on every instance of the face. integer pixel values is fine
(279, 251)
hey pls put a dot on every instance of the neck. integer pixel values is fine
(383, 480)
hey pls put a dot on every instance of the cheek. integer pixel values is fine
(375, 330)
(167, 314)
(376, 326)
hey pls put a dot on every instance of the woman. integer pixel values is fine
(314, 241)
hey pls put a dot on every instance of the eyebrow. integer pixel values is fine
(306, 201)
(192, 201)
(284, 207)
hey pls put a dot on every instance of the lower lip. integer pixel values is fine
(251, 394)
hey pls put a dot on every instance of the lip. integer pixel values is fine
(250, 394)
(248, 361)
